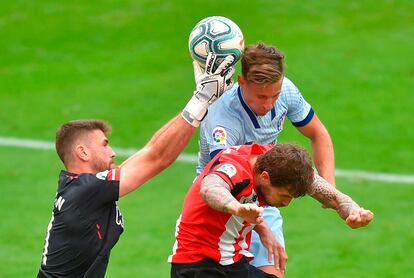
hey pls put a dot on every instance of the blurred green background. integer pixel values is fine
(127, 62)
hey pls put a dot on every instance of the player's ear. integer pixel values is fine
(81, 152)
(265, 175)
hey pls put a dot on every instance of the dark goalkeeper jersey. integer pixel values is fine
(86, 223)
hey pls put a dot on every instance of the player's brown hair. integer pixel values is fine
(69, 132)
(289, 166)
(262, 64)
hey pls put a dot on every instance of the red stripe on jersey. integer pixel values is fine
(203, 232)
(72, 177)
(98, 230)
(236, 245)
(114, 174)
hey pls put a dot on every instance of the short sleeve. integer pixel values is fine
(221, 135)
(232, 172)
(100, 188)
(299, 111)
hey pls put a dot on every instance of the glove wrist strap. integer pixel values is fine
(194, 111)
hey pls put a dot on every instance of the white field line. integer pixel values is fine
(192, 158)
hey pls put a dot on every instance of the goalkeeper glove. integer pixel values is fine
(209, 87)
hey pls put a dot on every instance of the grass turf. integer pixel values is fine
(127, 62)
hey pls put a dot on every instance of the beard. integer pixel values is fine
(261, 192)
(100, 165)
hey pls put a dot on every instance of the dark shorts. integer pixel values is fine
(208, 268)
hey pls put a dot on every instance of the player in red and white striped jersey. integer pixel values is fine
(225, 204)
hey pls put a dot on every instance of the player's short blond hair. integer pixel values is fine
(262, 64)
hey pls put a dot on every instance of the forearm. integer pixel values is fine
(216, 193)
(163, 148)
(168, 142)
(330, 197)
(323, 156)
(261, 228)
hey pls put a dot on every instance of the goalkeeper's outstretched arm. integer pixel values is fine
(168, 142)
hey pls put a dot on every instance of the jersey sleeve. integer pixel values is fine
(100, 188)
(299, 111)
(232, 172)
(221, 134)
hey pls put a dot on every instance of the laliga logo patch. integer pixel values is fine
(281, 121)
(219, 136)
(102, 175)
(227, 169)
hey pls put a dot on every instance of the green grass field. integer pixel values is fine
(127, 62)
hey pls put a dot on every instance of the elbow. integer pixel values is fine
(203, 192)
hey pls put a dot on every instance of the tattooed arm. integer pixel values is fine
(216, 193)
(330, 197)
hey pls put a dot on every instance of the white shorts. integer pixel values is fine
(274, 220)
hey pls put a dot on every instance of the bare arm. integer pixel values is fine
(216, 193)
(168, 142)
(322, 148)
(163, 148)
(330, 197)
(277, 256)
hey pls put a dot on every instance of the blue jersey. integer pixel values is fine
(230, 121)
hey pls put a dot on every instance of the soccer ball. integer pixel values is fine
(215, 34)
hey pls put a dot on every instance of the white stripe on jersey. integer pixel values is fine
(49, 227)
(228, 238)
(243, 243)
(174, 251)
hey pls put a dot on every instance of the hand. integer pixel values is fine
(359, 218)
(276, 252)
(210, 86)
(250, 213)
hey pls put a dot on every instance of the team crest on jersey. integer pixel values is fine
(219, 136)
(281, 121)
(227, 169)
(102, 175)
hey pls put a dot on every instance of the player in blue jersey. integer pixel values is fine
(254, 110)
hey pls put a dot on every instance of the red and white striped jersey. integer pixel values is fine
(203, 232)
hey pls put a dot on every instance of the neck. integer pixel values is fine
(78, 169)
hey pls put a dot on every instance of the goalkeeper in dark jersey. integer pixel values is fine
(86, 221)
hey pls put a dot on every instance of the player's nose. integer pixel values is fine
(268, 105)
(113, 154)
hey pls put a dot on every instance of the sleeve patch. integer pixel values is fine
(102, 175)
(219, 136)
(227, 169)
(114, 174)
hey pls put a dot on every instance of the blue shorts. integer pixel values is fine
(274, 220)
